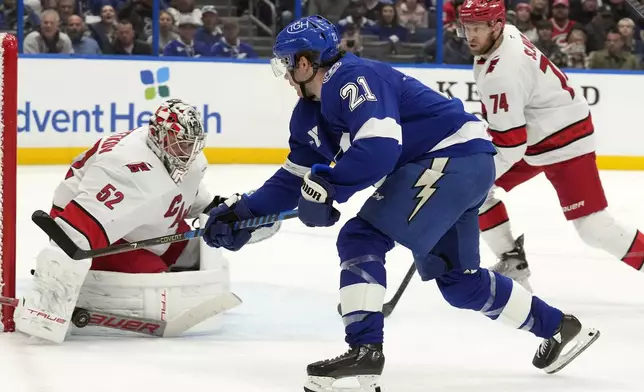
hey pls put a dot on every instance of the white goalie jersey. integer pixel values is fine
(119, 189)
(534, 112)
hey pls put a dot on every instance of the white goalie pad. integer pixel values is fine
(161, 296)
(45, 311)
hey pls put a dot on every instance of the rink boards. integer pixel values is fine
(64, 105)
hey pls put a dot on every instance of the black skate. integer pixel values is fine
(570, 335)
(365, 363)
(513, 264)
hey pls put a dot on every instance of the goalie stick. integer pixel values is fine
(389, 307)
(82, 317)
(58, 235)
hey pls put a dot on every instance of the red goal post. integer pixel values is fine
(8, 160)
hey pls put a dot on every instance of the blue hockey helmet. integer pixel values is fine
(308, 34)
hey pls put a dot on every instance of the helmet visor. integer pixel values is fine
(280, 66)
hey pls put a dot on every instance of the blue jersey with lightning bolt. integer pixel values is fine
(389, 119)
(370, 121)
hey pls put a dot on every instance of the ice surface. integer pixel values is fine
(288, 319)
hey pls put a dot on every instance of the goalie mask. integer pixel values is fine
(177, 137)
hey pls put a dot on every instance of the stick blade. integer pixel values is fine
(201, 312)
(56, 234)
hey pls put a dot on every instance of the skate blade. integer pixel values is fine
(366, 383)
(581, 342)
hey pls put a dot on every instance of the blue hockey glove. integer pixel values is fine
(315, 208)
(218, 233)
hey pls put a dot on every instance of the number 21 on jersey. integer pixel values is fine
(351, 91)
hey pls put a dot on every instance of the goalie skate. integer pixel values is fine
(361, 365)
(513, 264)
(572, 336)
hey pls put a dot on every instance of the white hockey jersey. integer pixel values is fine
(119, 189)
(533, 111)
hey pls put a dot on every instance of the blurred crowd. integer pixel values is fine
(593, 34)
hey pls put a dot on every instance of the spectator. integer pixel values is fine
(9, 17)
(185, 7)
(125, 42)
(585, 11)
(561, 23)
(547, 46)
(450, 10)
(524, 22)
(76, 32)
(210, 32)
(331, 9)
(511, 17)
(626, 28)
(412, 15)
(455, 49)
(185, 45)
(387, 27)
(373, 9)
(540, 10)
(49, 5)
(351, 40)
(618, 9)
(166, 30)
(596, 29)
(614, 56)
(65, 10)
(35, 5)
(139, 13)
(104, 32)
(575, 49)
(357, 11)
(48, 38)
(230, 46)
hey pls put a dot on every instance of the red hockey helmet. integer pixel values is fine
(482, 11)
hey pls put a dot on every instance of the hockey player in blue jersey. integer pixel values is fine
(432, 164)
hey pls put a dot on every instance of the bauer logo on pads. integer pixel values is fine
(156, 83)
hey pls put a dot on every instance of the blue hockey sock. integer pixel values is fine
(363, 281)
(500, 298)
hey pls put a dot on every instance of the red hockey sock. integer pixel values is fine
(635, 255)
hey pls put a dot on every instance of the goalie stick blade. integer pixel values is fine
(201, 312)
(57, 234)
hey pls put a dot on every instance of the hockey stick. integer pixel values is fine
(82, 317)
(389, 307)
(58, 235)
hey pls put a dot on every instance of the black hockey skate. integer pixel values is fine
(365, 363)
(514, 265)
(570, 335)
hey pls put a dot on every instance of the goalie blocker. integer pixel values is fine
(61, 284)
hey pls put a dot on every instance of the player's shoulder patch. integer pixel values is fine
(331, 71)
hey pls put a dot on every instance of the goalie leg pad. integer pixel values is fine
(154, 296)
(45, 311)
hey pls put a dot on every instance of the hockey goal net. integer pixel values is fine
(8, 146)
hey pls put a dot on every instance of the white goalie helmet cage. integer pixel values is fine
(177, 136)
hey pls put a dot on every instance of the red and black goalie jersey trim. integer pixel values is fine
(83, 222)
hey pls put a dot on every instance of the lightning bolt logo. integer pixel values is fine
(426, 182)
